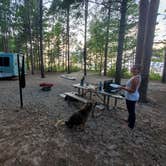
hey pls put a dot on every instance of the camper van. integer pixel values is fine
(8, 65)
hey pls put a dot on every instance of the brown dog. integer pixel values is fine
(79, 118)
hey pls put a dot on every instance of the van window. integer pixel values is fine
(4, 61)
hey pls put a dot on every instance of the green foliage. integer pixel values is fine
(97, 32)
(62, 5)
(154, 76)
(61, 69)
(12, 45)
(17, 26)
(158, 55)
(124, 73)
(75, 58)
(55, 69)
(75, 69)
(96, 42)
(127, 75)
(111, 72)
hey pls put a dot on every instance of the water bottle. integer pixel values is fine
(100, 86)
(82, 81)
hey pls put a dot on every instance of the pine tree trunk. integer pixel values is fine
(68, 42)
(27, 57)
(148, 43)
(41, 38)
(85, 35)
(101, 61)
(143, 11)
(123, 11)
(106, 41)
(30, 39)
(164, 69)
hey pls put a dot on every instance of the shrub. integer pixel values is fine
(74, 69)
(111, 72)
(154, 76)
(125, 73)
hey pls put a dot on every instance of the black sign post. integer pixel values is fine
(19, 75)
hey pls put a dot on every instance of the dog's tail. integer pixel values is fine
(60, 122)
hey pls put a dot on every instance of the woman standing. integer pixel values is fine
(132, 94)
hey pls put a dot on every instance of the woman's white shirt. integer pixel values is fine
(135, 95)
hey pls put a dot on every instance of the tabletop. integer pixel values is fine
(85, 86)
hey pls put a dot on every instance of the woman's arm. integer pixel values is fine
(134, 84)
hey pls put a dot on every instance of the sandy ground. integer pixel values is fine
(28, 136)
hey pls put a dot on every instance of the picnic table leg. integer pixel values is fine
(115, 103)
(104, 99)
(78, 91)
(90, 95)
(82, 92)
(108, 101)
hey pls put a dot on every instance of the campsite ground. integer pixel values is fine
(28, 136)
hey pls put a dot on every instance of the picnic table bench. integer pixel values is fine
(75, 96)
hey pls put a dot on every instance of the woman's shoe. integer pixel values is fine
(131, 127)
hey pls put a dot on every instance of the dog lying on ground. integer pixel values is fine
(79, 118)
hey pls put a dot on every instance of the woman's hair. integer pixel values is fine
(138, 67)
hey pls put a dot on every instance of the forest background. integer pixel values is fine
(93, 35)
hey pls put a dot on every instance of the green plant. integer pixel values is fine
(111, 72)
(75, 68)
(125, 73)
(154, 76)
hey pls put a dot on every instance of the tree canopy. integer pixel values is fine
(65, 35)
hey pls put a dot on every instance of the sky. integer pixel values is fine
(161, 26)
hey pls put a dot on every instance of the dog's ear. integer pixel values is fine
(83, 106)
(90, 105)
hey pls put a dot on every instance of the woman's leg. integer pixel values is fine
(131, 110)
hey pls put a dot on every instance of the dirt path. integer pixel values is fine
(28, 136)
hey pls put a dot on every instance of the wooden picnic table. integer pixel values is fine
(82, 90)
